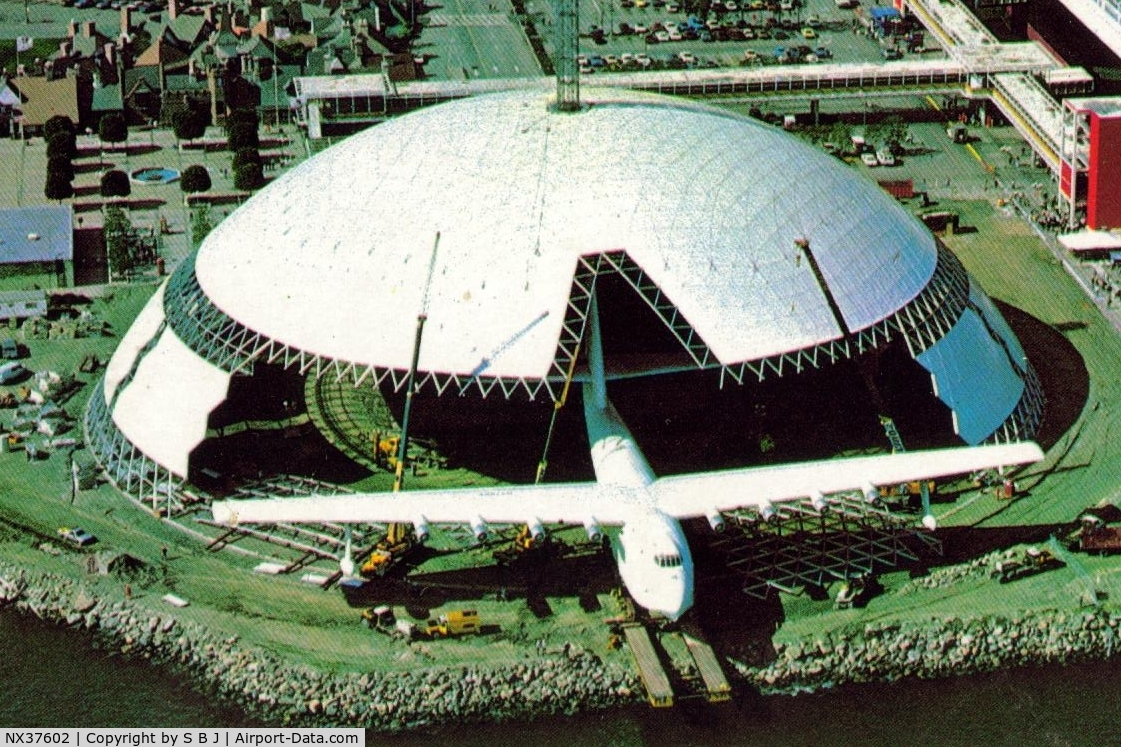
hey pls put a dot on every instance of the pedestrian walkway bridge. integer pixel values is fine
(975, 61)
(1021, 97)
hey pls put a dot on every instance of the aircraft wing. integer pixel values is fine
(561, 503)
(698, 494)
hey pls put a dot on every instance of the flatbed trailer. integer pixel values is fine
(716, 684)
(1100, 540)
(654, 679)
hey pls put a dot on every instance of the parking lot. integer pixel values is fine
(622, 34)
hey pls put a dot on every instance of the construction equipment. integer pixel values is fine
(1034, 560)
(379, 618)
(382, 619)
(854, 592)
(422, 452)
(454, 623)
(385, 450)
(398, 539)
(922, 488)
(523, 543)
(1097, 536)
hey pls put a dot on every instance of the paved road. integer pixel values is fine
(476, 39)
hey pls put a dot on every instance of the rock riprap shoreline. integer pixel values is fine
(939, 647)
(277, 692)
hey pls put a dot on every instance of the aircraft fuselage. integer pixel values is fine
(652, 554)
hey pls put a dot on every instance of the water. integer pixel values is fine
(53, 677)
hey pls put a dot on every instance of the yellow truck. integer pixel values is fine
(454, 623)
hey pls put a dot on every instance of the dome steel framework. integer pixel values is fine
(926, 297)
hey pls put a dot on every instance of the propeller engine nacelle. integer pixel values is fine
(591, 526)
(767, 512)
(479, 529)
(817, 500)
(716, 521)
(421, 529)
(871, 493)
(536, 530)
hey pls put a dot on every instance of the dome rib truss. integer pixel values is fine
(922, 322)
(233, 347)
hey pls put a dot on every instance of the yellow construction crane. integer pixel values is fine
(399, 538)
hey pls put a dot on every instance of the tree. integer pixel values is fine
(249, 176)
(116, 229)
(56, 124)
(189, 124)
(242, 94)
(58, 187)
(895, 129)
(194, 179)
(61, 168)
(113, 128)
(243, 135)
(242, 116)
(115, 183)
(62, 145)
(245, 156)
(200, 224)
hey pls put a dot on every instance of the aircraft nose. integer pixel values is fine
(679, 598)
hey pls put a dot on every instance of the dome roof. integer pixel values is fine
(334, 258)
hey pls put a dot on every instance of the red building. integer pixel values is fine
(1090, 173)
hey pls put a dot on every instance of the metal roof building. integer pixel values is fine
(760, 255)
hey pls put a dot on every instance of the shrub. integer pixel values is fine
(115, 183)
(194, 179)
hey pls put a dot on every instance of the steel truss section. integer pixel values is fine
(922, 322)
(802, 547)
(620, 263)
(1025, 420)
(233, 347)
(126, 467)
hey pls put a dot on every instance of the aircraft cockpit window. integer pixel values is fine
(668, 561)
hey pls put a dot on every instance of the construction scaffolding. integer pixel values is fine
(802, 547)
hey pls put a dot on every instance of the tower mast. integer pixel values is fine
(567, 47)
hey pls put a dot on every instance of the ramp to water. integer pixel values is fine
(658, 690)
(716, 684)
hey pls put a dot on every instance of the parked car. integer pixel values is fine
(869, 159)
(11, 373)
(9, 348)
(823, 53)
(77, 536)
(885, 157)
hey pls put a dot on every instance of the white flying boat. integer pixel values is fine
(653, 557)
